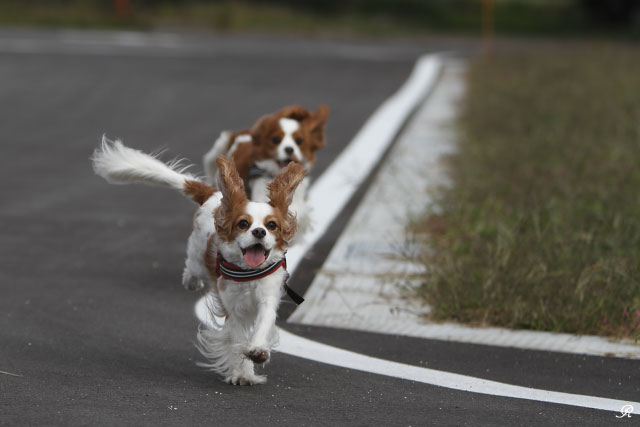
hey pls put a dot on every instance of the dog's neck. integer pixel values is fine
(231, 271)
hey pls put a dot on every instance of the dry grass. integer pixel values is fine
(541, 229)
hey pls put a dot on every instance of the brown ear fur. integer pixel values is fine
(295, 112)
(281, 191)
(234, 197)
(259, 128)
(284, 184)
(315, 124)
(198, 191)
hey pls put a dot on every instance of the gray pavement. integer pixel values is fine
(92, 314)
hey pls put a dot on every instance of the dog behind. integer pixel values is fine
(291, 134)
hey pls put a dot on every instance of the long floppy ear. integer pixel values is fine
(295, 112)
(315, 123)
(230, 184)
(284, 184)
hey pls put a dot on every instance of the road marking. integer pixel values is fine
(328, 196)
(301, 347)
(294, 345)
(332, 190)
(357, 288)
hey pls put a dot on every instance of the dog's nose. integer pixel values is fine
(259, 233)
(288, 150)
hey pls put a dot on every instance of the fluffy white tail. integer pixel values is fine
(119, 164)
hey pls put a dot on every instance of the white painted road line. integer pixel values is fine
(329, 195)
(357, 288)
(294, 345)
(333, 189)
(301, 347)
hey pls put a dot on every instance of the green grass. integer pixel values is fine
(541, 229)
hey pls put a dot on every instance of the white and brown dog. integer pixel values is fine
(237, 247)
(291, 134)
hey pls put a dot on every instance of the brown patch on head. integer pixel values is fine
(198, 191)
(234, 199)
(280, 196)
(267, 128)
(295, 112)
(264, 133)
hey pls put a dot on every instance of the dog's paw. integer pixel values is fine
(245, 379)
(258, 355)
(191, 283)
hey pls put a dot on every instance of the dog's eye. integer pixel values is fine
(276, 139)
(243, 224)
(299, 141)
(271, 225)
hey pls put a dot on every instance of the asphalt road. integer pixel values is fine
(92, 314)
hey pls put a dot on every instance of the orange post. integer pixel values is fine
(122, 8)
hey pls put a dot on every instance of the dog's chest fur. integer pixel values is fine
(242, 299)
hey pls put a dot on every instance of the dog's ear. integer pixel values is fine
(230, 184)
(261, 128)
(282, 187)
(295, 112)
(315, 126)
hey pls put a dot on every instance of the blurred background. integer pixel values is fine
(540, 229)
(345, 17)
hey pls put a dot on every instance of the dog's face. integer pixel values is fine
(292, 134)
(251, 234)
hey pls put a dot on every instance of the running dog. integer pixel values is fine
(237, 248)
(291, 134)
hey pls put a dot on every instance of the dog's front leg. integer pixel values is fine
(264, 333)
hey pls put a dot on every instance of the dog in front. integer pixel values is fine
(292, 134)
(237, 248)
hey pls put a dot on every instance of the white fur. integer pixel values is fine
(249, 307)
(249, 328)
(299, 206)
(240, 139)
(119, 164)
(258, 186)
(195, 274)
(289, 127)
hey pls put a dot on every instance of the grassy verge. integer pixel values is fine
(541, 229)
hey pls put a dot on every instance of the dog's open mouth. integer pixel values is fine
(284, 163)
(255, 255)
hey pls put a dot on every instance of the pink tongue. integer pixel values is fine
(254, 256)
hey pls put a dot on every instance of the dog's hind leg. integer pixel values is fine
(196, 274)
